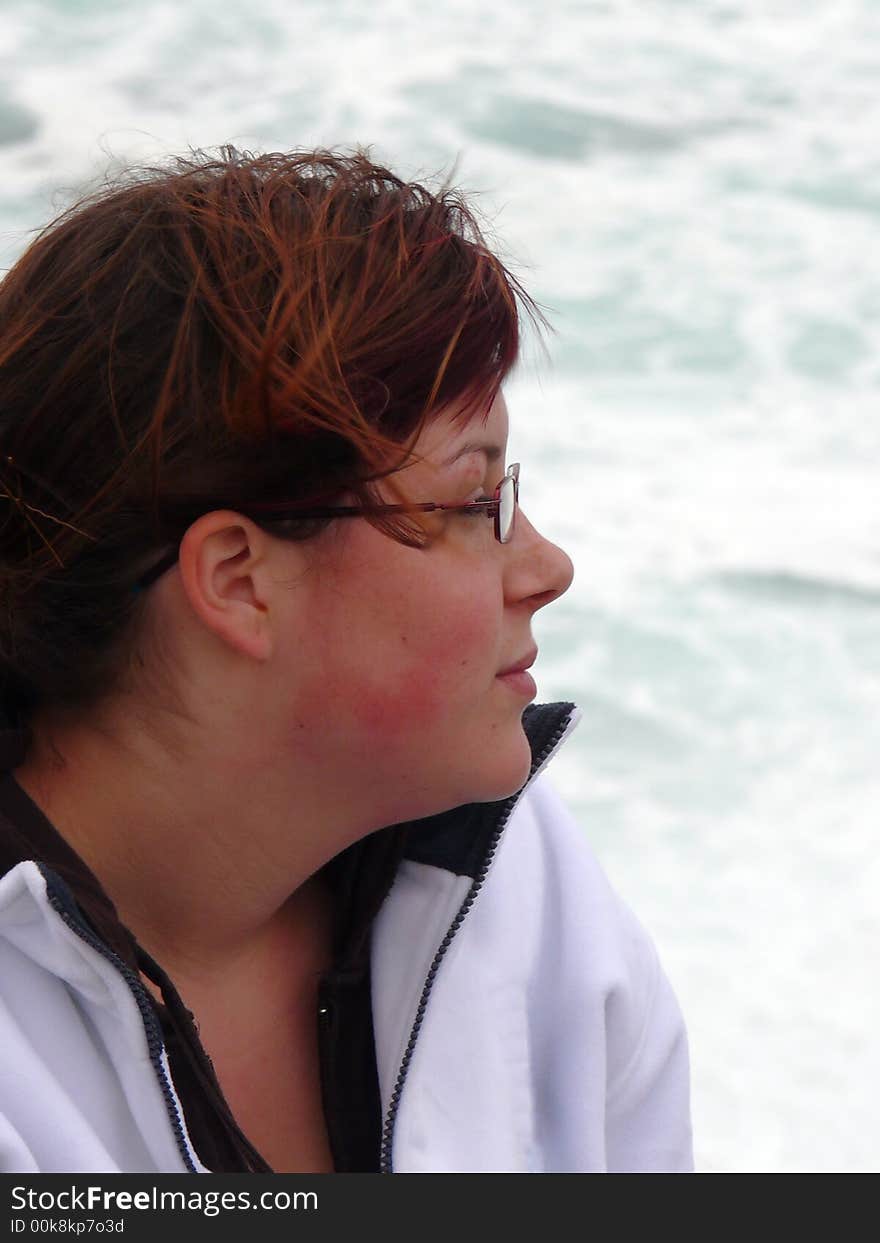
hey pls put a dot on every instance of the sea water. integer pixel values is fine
(691, 189)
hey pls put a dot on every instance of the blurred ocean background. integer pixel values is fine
(691, 189)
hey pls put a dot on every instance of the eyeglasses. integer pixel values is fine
(501, 506)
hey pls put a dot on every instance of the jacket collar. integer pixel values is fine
(460, 840)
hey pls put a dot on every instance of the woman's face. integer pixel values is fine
(400, 653)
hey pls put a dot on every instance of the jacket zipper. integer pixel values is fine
(152, 1029)
(385, 1166)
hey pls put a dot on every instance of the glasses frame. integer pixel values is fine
(294, 509)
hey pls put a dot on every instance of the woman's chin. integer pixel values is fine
(485, 772)
(505, 776)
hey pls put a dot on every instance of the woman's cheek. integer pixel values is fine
(424, 683)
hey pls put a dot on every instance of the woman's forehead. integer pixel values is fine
(447, 439)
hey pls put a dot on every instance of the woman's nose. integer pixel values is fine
(539, 570)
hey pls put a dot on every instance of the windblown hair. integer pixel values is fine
(224, 330)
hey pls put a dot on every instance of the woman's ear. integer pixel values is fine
(224, 575)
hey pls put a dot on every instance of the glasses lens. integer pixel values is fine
(506, 508)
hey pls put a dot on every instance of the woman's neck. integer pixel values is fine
(205, 856)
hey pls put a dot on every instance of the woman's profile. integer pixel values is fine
(282, 884)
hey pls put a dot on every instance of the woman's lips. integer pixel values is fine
(517, 677)
(520, 681)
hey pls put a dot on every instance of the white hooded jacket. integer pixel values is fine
(522, 1021)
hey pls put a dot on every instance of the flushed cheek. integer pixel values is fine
(387, 713)
(419, 684)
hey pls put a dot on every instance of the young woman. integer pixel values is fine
(280, 887)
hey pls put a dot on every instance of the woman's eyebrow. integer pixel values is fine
(493, 452)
